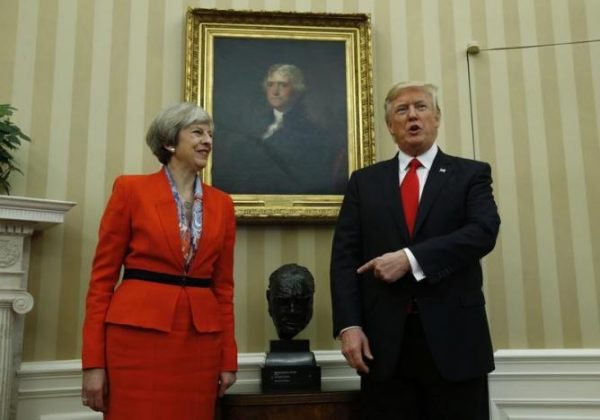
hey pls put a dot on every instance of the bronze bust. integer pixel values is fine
(290, 297)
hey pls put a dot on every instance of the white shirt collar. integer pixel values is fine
(426, 158)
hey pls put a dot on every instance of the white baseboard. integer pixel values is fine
(335, 374)
(546, 385)
(51, 390)
(527, 385)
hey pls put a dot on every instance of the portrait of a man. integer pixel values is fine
(287, 134)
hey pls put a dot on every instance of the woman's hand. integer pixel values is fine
(226, 379)
(94, 389)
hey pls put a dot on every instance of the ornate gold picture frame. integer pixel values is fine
(291, 97)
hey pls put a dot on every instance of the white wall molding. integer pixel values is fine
(51, 390)
(546, 384)
(527, 384)
(335, 374)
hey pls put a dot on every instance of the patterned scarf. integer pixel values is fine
(189, 231)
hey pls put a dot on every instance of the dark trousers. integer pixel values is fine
(418, 392)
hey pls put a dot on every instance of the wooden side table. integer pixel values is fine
(338, 405)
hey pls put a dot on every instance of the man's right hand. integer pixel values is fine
(355, 345)
(388, 267)
(94, 389)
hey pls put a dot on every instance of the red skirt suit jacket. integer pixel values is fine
(140, 229)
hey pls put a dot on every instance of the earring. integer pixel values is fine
(170, 149)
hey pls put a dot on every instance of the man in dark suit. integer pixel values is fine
(406, 279)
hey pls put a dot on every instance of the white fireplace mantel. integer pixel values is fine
(20, 217)
(39, 213)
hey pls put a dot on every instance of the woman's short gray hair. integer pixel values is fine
(168, 123)
(393, 93)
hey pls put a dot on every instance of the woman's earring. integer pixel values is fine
(170, 149)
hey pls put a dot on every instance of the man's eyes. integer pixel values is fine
(402, 110)
(295, 300)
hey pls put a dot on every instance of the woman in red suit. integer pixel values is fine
(160, 343)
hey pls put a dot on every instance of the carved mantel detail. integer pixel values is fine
(20, 217)
(21, 301)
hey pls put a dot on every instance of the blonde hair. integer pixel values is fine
(393, 93)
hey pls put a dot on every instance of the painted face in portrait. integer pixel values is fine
(193, 147)
(290, 298)
(413, 120)
(280, 91)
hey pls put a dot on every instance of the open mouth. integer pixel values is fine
(414, 128)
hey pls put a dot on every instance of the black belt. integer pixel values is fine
(183, 280)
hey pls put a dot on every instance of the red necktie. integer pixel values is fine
(409, 191)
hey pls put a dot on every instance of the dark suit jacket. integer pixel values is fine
(457, 224)
(140, 229)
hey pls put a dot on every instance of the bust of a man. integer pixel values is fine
(290, 297)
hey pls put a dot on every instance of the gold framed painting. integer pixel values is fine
(291, 98)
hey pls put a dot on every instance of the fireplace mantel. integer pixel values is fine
(20, 217)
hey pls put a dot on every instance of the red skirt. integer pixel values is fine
(154, 375)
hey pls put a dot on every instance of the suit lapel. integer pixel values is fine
(440, 172)
(167, 214)
(391, 188)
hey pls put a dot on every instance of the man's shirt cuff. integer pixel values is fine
(415, 267)
(346, 329)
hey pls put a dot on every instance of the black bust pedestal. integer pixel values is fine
(290, 366)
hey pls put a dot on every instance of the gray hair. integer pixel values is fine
(393, 93)
(290, 71)
(168, 123)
